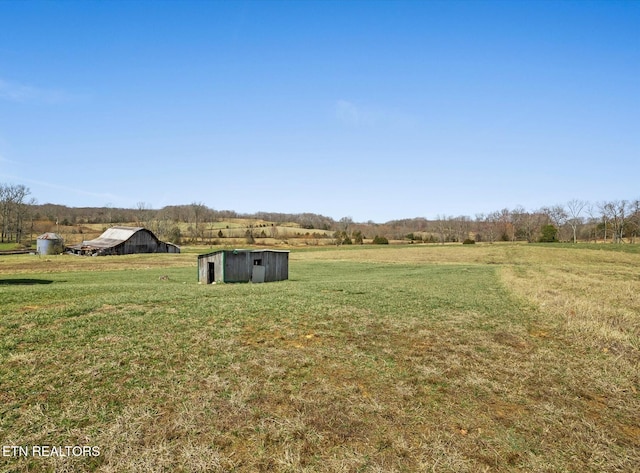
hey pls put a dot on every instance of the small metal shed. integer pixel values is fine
(243, 266)
(49, 244)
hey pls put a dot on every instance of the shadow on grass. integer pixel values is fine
(23, 282)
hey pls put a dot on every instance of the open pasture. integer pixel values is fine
(384, 359)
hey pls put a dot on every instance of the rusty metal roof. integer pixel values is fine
(50, 236)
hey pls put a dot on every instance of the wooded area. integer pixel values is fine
(618, 221)
(15, 211)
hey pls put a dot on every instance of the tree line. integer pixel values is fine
(15, 207)
(615, 221)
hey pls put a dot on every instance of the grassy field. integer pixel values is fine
(368, 359)
(10, 246)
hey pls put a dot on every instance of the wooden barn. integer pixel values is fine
(243, 266)
(123, 241)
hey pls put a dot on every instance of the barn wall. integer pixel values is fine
(114, 250)
(141, 242)
(171, 248)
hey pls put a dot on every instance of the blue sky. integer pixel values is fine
(376, 110)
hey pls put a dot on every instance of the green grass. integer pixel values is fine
(370, 359)
(10, 246)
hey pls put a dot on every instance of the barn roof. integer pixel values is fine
(119, 233)
(111, 237)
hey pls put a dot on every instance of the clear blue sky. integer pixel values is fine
(376, 110)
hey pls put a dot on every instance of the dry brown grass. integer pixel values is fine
(30, 264)
(590, 302)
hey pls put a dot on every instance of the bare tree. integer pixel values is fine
(14, 210)
(142, 215)
(604, 213)
(519, 220)
(345, 223)
(505, 226)
(108, 206)
(594, 219)
(197, 213)
(493, 226)
(528, 224)
(616, 214)
(480, 227)
(462, 226)
(441, 227)
(557, 215)
(163, 226)
(634, 220)
(574, 209)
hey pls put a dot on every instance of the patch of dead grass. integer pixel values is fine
(590, 304)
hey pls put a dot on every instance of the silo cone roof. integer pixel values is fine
(50, 236)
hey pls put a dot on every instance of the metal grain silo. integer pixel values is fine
(49, 244)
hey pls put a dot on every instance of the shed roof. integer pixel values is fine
(242, 251)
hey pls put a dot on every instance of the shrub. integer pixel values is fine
(549, 234)
(469, 241)
(380, 240)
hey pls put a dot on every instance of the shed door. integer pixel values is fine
(257, 273)
(211, 273)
